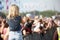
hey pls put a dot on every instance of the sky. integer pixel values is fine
(39, 5)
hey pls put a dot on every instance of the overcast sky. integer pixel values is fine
(40, 5)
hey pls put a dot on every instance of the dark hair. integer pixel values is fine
(6, 25)
(2, 15)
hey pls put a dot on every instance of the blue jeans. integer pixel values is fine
(15, 35)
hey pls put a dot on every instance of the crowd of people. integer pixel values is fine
(15, 27)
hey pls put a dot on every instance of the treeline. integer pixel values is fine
(47, 13)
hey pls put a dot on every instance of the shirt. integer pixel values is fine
(14, 24)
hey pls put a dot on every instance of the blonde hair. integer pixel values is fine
(13, 11)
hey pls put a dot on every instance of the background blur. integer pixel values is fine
(36, 7)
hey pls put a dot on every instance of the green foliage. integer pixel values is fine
(47, 13)
(2, 15)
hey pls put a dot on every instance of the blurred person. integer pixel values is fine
(27, 28)
(50, 29)
(57, 32)
(14, 20)
(30, 16)
(24, 21)
(1, 24)
(1, 28)
(2, 16)
(41, 17)
(38, 30)
(36, 24)
(39, 24)
(5, 30)
(48, 23)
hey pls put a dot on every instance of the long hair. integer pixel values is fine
(13, 11)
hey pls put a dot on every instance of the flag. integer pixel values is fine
(7, 7)
(6, 1)
(7, 4)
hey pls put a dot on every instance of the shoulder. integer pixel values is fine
(18, 16)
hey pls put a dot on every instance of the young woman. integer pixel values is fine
(14, 20)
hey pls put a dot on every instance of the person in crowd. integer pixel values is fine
(5, 30)
(1, 28)
(36, 24)
(57, 32)
(36, 28)
(2, 16)
(50, 29)
(27, 30)
(14, 20)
